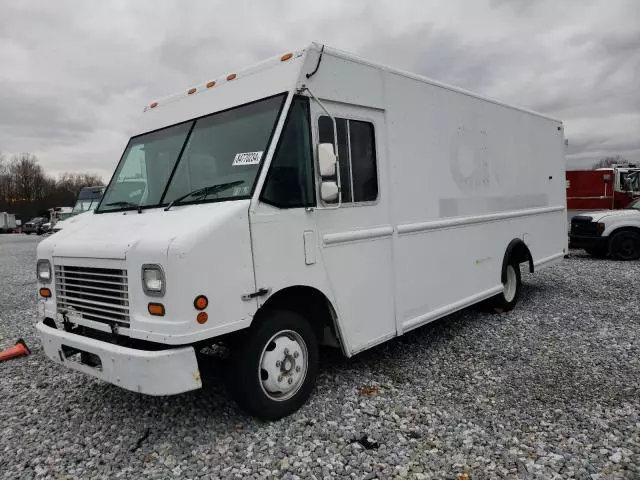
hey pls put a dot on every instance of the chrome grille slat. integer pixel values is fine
(91, 274)
(66, 293)
(92, 303)
(80, 281)
(82, 288)
(98, 294)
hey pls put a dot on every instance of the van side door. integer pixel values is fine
(355, 235)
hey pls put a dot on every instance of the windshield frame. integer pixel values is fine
(161, 204)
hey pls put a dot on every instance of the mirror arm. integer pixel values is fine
(335, 142)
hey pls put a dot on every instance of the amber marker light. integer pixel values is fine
(200, 302)
(202, 317)
(45, 292)
(156, 309)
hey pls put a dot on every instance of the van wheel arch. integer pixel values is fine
(313, 305)
(516, 252)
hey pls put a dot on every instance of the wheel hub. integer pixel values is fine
(510, 286)
(283, 365)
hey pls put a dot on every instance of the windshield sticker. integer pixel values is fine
(248, 158)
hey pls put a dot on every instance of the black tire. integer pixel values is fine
(625, 245)
(508, 298)
(249, 383)
(597, 252)
(27, 233)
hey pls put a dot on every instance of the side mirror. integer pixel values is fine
(326, 160)
(329, 191)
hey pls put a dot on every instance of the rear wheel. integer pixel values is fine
(274, 369)
(511, 286)
(625, 245)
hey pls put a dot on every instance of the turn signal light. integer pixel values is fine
(211, 84)
(156, 309)
(231, 76)
(191, 91)
(286, 57)
(45, 292)
(202, 317)
(200, 302)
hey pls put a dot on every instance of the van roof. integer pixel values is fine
(219, 81)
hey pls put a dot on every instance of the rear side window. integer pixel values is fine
(357, 155)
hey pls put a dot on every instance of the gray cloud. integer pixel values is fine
(75, 74)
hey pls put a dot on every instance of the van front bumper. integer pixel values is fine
(162, 372)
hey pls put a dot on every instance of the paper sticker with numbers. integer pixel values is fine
(248, 158)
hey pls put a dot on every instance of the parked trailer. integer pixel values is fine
(7, 222)
(602, 189)
(313, 198)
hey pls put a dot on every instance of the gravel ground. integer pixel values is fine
(550, 390)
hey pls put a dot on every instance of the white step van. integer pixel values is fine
(314, 198)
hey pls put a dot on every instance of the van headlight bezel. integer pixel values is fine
(43, 266)
(153, 280)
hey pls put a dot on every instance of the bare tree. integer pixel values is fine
(26, 190)
(607, 162)
(74, 182)
(27, 177)
(5, 180)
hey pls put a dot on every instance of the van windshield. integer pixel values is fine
(225, 147)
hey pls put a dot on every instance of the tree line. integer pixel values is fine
(27, 191)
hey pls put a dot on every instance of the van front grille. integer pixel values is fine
(98, 294)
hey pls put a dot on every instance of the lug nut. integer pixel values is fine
(295, 354)
(290, 381)
(298, 369)
(286, 351)
(278, 364)
(280, 378)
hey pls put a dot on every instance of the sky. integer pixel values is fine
(75, 75)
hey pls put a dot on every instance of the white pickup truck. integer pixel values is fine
(608, 232)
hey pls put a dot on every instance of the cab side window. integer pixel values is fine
(357, 156)
(289, 183)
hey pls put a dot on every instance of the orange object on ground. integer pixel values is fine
(20, 349)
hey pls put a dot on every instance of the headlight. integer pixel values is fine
(153, 280)
(600, 227)
(43, 270)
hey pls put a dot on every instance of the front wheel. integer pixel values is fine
(507, 299)
(274, 369)
(625, 245)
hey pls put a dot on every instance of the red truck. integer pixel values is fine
(602, 189)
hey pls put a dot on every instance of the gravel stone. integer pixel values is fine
(550, 390)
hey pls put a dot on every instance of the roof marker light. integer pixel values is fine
(231, 76)
(154, 105)
(286, 57)
(211, 84)
(192, 91)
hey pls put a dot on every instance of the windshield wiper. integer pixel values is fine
(205, 191)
